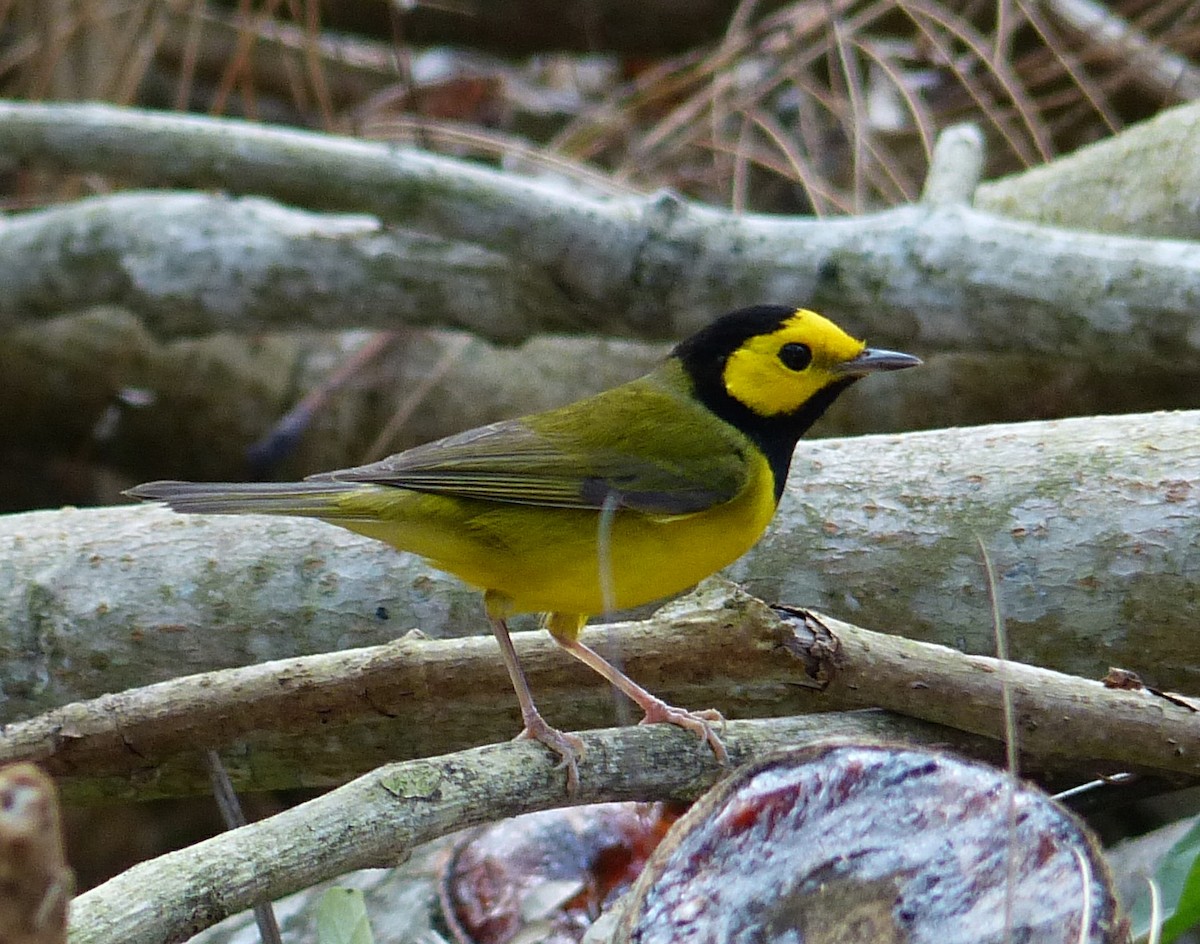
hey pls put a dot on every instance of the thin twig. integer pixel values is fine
(382, 443)
(234, 818)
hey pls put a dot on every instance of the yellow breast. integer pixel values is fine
(560, 560)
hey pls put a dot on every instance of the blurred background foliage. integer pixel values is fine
(823, 106)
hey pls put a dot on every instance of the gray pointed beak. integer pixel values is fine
(873, 360)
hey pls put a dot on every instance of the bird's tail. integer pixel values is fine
(312, 499)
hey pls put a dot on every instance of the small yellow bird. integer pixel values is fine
(619, 499)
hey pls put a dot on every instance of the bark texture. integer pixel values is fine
(1141, 182)
(320, 719)
(1093, 525)
(376, 820)
(937, 276)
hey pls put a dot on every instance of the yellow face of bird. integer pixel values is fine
(779, 371)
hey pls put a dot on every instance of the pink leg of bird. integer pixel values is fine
(566, 746)
(656, 710)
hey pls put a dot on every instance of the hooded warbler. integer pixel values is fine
(616, 500)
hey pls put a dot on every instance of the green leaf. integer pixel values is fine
(1178, 880)
(342, 918)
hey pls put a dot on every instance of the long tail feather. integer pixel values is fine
(314, 499)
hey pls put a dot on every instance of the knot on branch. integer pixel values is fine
(812, 642)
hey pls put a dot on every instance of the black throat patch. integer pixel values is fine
(703, 357)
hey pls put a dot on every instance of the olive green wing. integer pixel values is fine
(632, 447)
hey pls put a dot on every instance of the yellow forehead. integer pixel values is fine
(755, 375)
(829, 343)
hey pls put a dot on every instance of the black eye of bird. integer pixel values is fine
(795, 356)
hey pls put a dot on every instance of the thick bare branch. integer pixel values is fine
(955, 167)
(659, 266)
(1140, 182)
(1092, 523)
(191, 263)
(1151, 64)
(191, 407)
(421, 697)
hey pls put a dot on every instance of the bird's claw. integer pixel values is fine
(568, 747)
(700, 723)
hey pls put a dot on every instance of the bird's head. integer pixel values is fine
(772, 370)
(773, 361)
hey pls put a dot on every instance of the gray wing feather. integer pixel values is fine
(509, 462)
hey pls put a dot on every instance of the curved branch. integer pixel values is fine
(191, 263)
(377, 819)
(424, 697)
(1140, 182)
(661, 267)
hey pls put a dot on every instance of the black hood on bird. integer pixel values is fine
(703, 357)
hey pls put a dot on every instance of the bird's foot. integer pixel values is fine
(700, 723)
(567, 746)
